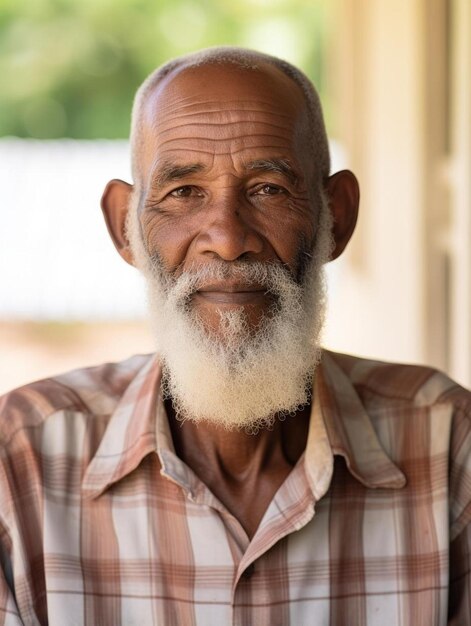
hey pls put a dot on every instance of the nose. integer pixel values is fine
(228, 233)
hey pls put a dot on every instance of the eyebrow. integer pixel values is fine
(169, 172)
(277, 165)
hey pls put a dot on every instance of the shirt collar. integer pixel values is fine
(339, 425)
(349, 430)
(130, 434)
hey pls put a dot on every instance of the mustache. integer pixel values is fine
(266, 275)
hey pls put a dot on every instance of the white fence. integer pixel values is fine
(56, 259)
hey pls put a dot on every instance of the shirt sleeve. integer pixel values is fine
(459, 607)
(459, 604)
(460, 470)
(18, 596)
(9, 613)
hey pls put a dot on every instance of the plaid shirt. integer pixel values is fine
(101, 524)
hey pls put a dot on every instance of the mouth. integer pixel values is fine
(232, 294)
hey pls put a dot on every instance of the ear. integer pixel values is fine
(115, 204)
(344, 197)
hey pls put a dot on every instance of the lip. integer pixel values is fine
(235, 294)
(231, 287)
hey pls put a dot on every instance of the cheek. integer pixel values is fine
(169, 238)
(292, 237)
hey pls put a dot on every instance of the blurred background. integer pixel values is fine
(395, 80)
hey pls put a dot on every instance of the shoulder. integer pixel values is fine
(88, 391)
(398, 384)
(423, 420)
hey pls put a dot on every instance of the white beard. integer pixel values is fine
(239, 377)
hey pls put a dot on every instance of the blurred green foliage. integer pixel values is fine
(69, 68)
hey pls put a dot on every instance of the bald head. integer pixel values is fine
(246, 61)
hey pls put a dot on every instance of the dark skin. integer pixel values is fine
(226, 172)
(243, 471)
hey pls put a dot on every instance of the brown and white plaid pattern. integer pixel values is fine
(102, 525)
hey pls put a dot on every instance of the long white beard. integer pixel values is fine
(239, 377)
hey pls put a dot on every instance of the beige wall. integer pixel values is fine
(402, 290)
(460, 188)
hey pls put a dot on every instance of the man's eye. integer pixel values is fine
(183, 192)
(269, 190)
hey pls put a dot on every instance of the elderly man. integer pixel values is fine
(240, 476)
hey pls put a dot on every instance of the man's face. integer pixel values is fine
(231, 243)
(225, 177)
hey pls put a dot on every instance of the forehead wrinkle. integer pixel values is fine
(215, 108)
(211, 153)
(232, 122)
(168, 135)
(159, 116)
(222, 125)
(170, 170)
(216, 140)
(167, 115)
(162, 101)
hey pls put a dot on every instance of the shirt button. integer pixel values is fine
(249, 571)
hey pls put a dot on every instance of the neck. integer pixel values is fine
(243, 470)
